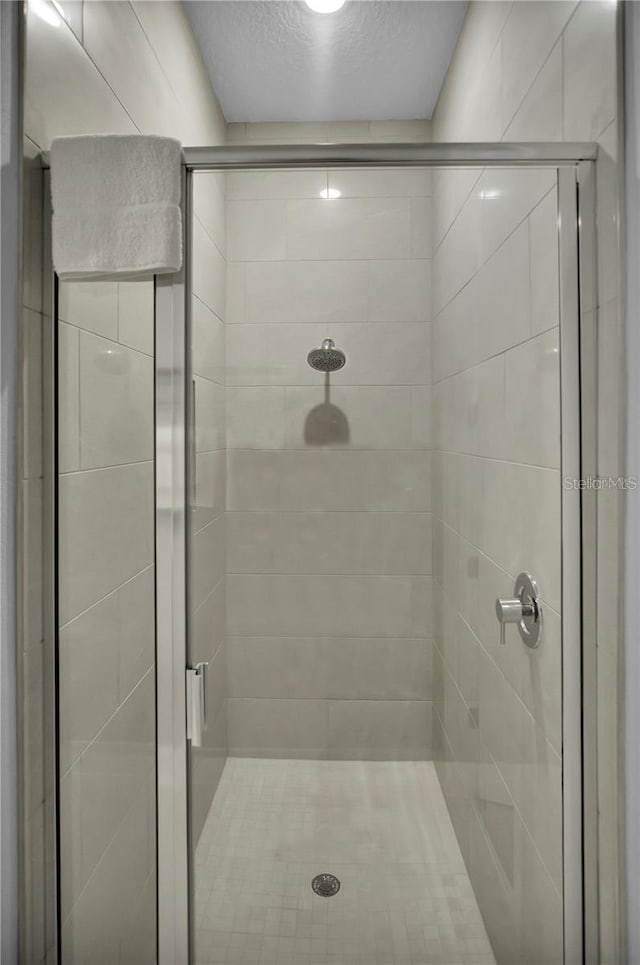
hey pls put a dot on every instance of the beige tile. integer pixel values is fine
(508, 489)
(380, 729)
(207, 560)
(398, 481)
(210, 205)
(349, 228)
(68, 398)
(120, 49)
(210, 401)
(307, 291)
(115, 772)
(136, 636)
(526, 41)
(323, 291)
(543, 242)
(235, 300)
(116, 404)
(505, 196)
(589, 47)
(421, 416)
(70, 840)
(207, 343)
(171, 36)
(72, 13)
(250, 185)
(64, 91)
(90, 305)
(498, 904)
(539, 116)
(366, 543)
(88, 676)
(89, 933)
(452, 186)
(363, 669)
(400, 291)
(278, 728)
(502, 310)
(330, 480)
(347, 668)
(209, 271)
(459, 255)
(542, 928)
(138, 944)
(210, 492)
(255, 417)
(208, 626)
(383, 606)
(532, 385)
(106, 533)
(364, 417)
(136, 312)
(421, 227)
(256, 230)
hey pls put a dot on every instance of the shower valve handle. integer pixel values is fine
(523, 609)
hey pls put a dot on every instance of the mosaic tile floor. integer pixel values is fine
(382, 828)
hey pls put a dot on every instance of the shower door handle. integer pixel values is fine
(196, 703)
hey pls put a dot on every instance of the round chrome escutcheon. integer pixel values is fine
(526, 590)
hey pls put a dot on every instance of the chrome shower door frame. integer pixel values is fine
(575, 164)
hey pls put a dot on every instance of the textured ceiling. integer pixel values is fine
(276, 60)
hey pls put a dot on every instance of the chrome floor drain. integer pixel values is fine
(325, 885)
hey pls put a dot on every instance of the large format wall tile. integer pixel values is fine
(380, 729)
(384, 606)
(346, 668)
(358, 543)
(382, 481)
(106, 532)
(278, 728)
(116, 404)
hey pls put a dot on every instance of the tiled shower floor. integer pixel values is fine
(381, 828)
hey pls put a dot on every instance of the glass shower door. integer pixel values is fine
(377, 761)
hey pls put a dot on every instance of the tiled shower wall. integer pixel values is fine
(106, 616)
(329, 588)
(110, 68)
(521, 71)
(496, 512)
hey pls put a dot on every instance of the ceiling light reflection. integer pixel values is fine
(45, 11)
(330, 194)
(325, 6)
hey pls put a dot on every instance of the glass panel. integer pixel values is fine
(106, 636)
(381, 493)
(208, 473)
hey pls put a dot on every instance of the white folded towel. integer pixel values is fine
(116, 205)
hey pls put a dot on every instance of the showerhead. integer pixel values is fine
(327, 358)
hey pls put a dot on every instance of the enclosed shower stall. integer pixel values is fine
(321, 647)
